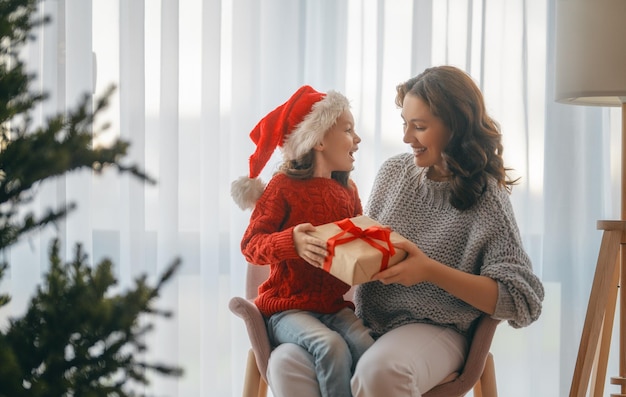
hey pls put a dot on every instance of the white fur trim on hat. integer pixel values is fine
(246, 191)
(311, 130)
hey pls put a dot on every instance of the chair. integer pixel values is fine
(477, 374)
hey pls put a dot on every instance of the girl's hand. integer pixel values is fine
(412, 270)
(309, 248)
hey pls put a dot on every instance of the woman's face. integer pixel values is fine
(336, 151)
(426, 134)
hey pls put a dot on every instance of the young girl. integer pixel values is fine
(302, 303)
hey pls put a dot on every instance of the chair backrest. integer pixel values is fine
(255, 275)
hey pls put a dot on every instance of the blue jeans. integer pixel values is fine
(336, 341)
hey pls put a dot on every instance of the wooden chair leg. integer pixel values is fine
(254, 385)
(262, 388)
(477, 391)
(486, 386)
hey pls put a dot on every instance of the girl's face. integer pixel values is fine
(336, 151)
(426, 134)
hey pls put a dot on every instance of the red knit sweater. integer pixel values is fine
(293, 283)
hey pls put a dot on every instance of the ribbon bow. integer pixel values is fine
(369, 235)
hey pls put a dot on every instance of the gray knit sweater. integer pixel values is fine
(482, 240)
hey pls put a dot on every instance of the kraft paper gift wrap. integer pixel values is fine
(358, 248)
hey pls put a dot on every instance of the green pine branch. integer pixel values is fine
(77, 338)
(64, 143)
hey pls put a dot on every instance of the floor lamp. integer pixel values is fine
(591, 71)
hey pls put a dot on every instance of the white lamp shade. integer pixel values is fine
(591, 52)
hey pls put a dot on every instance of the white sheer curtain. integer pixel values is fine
(194, 77)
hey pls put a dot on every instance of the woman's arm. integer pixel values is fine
(479, 291)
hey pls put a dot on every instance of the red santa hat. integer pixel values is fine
(296, 126)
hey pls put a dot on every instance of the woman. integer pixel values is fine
(450, 198)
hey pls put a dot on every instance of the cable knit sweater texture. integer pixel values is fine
(482, 240)
(293, 283)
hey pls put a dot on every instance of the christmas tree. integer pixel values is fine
(76, 337)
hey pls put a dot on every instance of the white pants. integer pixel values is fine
(406, 361)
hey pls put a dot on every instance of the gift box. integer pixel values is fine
(358, 248)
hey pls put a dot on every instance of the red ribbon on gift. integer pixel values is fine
(369, 235)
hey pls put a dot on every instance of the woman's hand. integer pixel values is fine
(309, 248)
(412, 270)
(478, 291)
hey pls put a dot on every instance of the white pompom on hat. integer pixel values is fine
(296, 126)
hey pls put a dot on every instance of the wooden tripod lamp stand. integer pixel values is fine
(591, 70)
